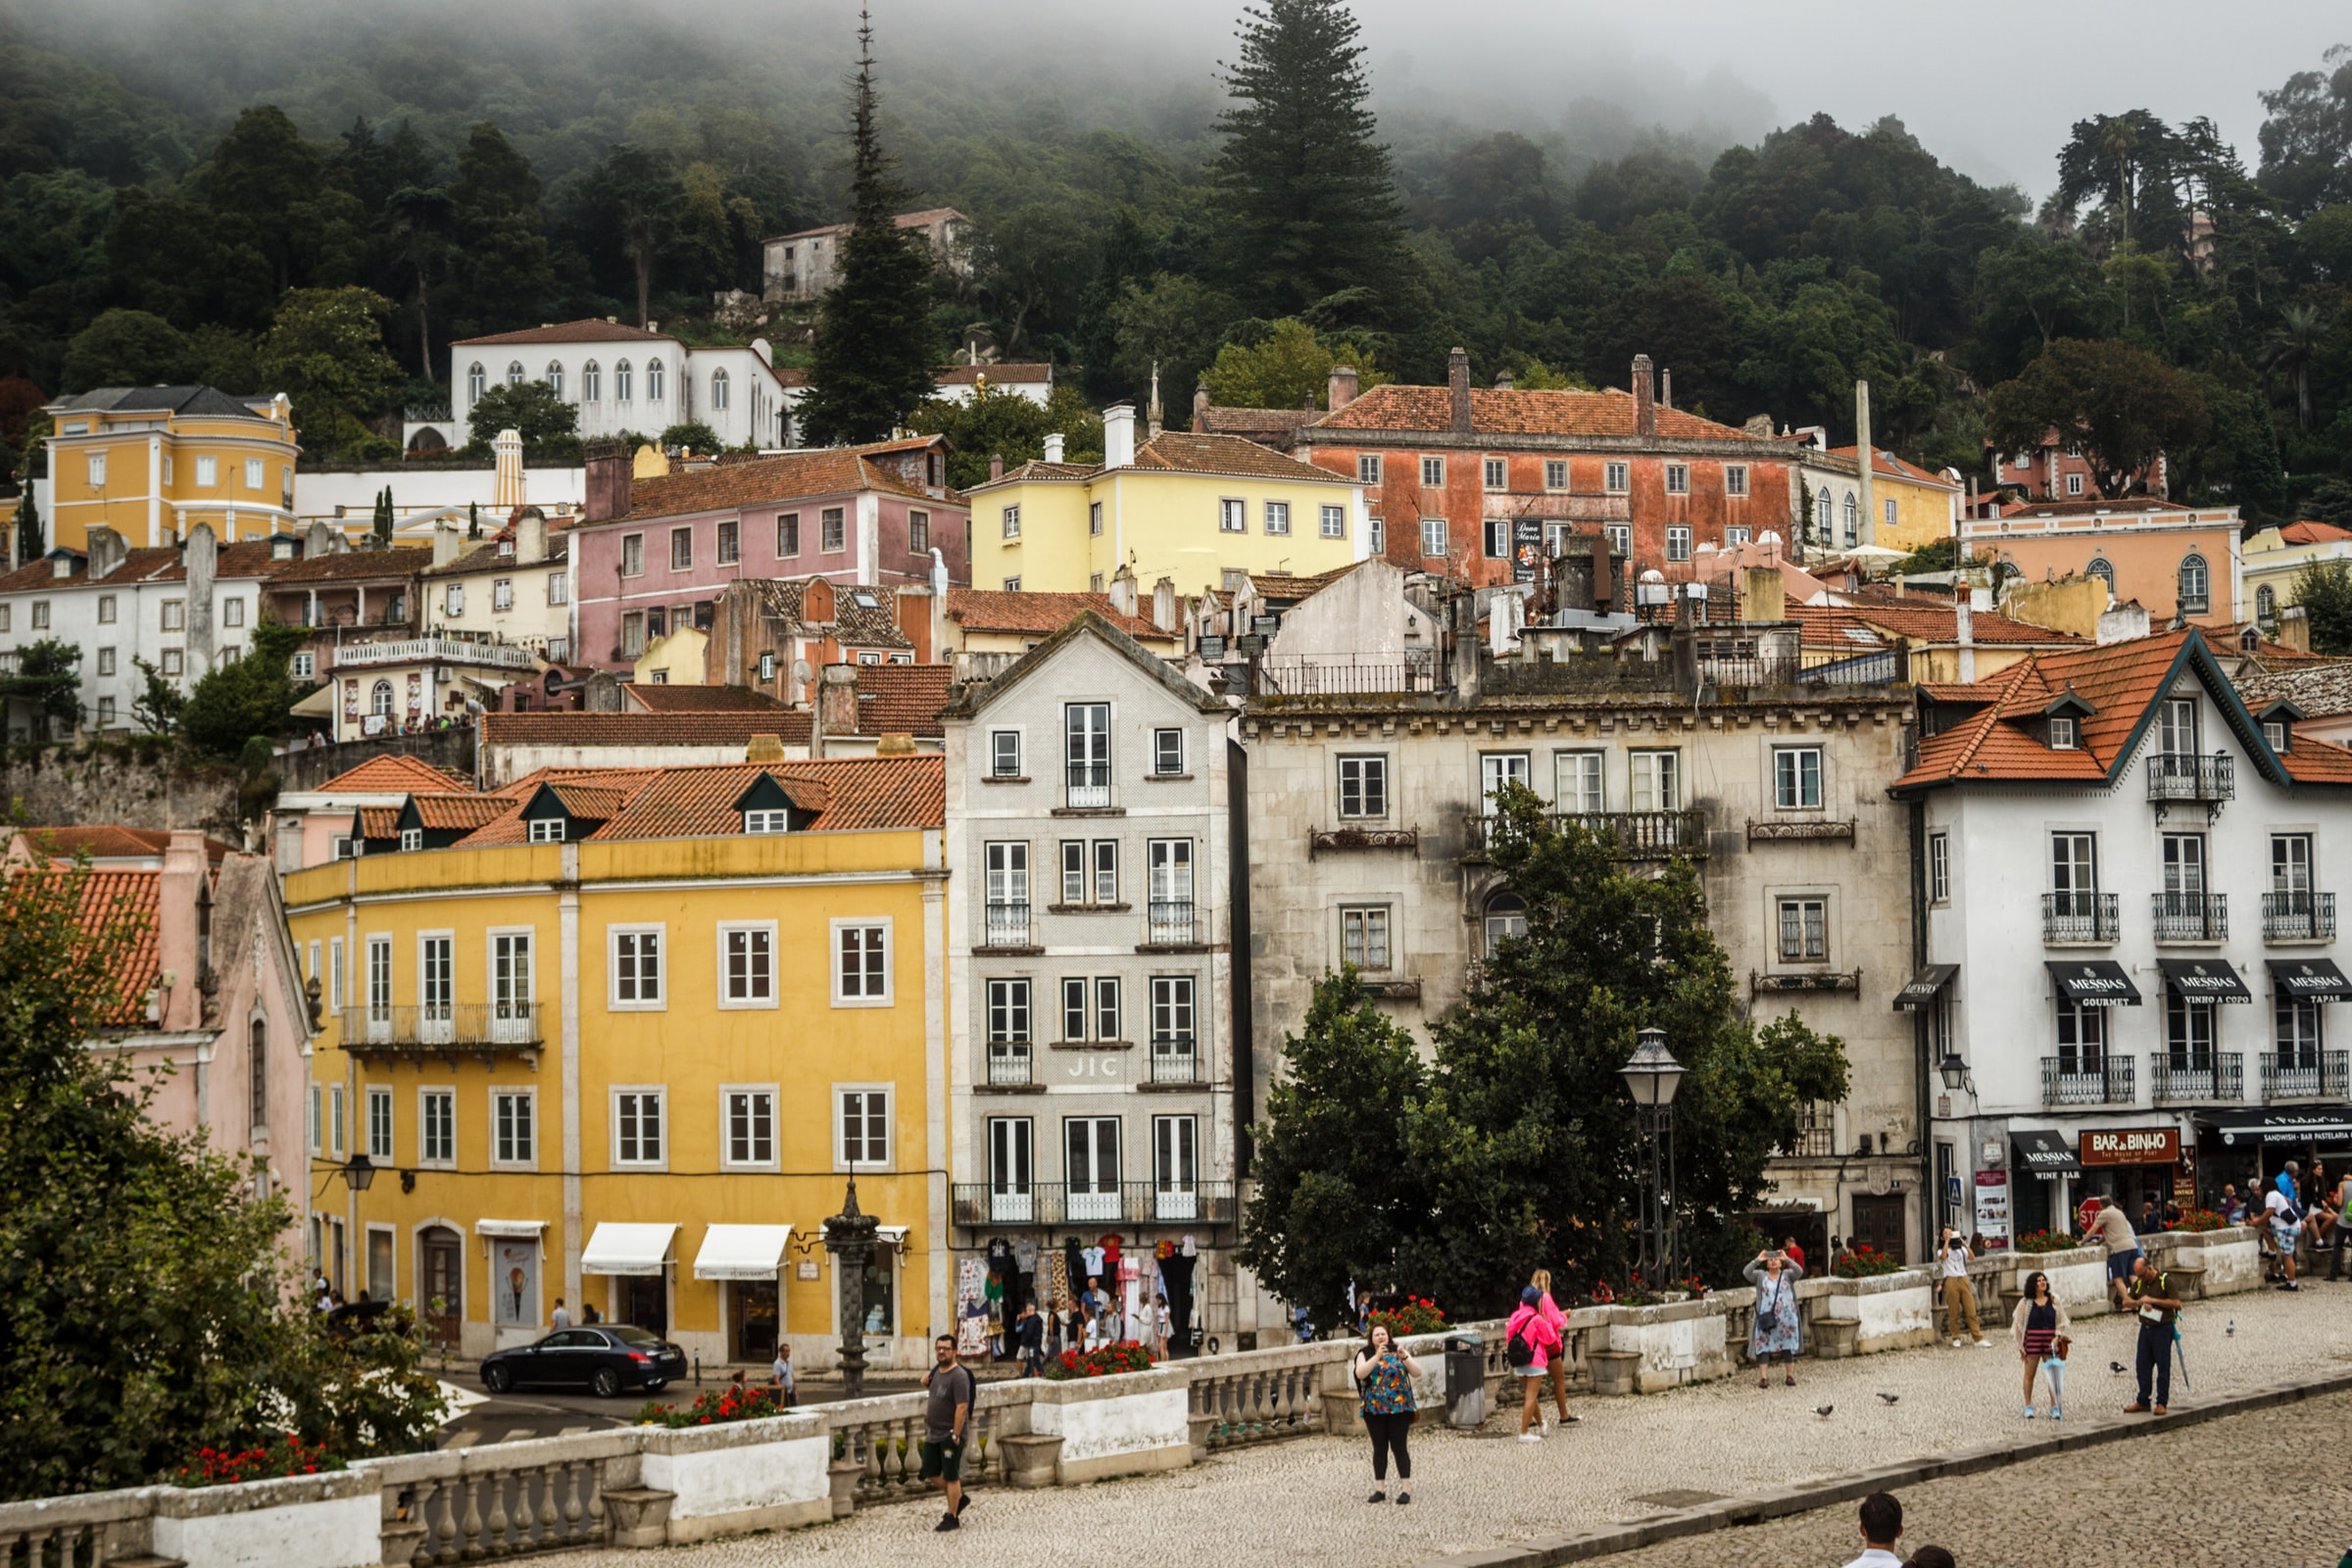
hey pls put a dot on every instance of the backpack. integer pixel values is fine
(1520, 1349)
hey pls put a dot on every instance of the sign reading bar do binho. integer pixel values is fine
(2131, 1146)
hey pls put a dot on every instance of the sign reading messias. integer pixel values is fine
(2131, 1146)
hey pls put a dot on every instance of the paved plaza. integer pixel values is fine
(1302, 1504)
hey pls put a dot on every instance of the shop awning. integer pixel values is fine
(320, 704)
(532, 1228)
(2203, 980)
(2310, 979)
(2093, 983)
(2045, 1154)
(1924, 986)
(2306, 1124)
(627, 1248)
(741, 1251)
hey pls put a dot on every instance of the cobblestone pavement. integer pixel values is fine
(1301, 1504)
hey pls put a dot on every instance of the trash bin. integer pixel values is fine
(1465, 1381)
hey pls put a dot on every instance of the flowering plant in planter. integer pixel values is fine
(2044, 1241)
(227, 1466)
(1863, 1262)
(1125, 1356)
(1417, 1314)
(2199, 1219)
(716, 1406)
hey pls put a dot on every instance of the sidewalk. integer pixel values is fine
(1299, 1504)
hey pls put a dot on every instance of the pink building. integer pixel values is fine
(653, 555)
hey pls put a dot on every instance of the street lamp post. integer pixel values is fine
(1652, 1075)
(850, 1243)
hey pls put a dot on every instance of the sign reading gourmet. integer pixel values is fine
(2093, 983)
(2131, 1146)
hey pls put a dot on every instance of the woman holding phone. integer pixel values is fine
(1384, 1376)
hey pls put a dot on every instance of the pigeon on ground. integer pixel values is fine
(2231, 1329)
(2116, 1367)
(1823, 1410)
(1890, 1398)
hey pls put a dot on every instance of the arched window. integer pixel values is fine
(621, 382)
(653, 380)
(2195, 583)
(514, 372)
(718, 391)
(1506, 916)
(257, 1052)
(2103, 569)
(1824, 517)
(555, 377)
(475, 381)
(592, 382)
(2266, 603)
(379, 699)
(1853, 516)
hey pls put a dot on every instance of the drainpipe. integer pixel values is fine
(1922, 1069)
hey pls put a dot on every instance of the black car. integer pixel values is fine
(604, 1360)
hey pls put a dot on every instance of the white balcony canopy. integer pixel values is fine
(741, 1251)
(531, 1229)
(627, 1248)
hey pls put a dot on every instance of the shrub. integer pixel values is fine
(1418, 1314)
(2199, 1219)
(225, 1467)
(2044, 1242)
(1863, 1262)
(1125, 1356)
(717, 1406)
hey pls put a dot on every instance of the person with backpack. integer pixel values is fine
(1529, 1343)
(1541, 1281)
(1774, 1274)
(1384, 1376)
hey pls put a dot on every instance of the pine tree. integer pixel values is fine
(383, 518)
(876, 352)
(29, 544)
(1308, 222)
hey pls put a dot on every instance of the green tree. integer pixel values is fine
(2050, 281)
(637, 201)
(545, 420)
(2124, 404)
(501, 273)
(2294, 346)
(2324, 589)
(233, 702)
(126, 348)
(31, 543)
(689, 435)
(48, 677)
(992, 423)
(876, 354)
(1288, 368)
(265, 183)
(2122, 159)
(420, 221)
(1175, 322)
(1035, 262)
(326, 351)
(2307, 137)
(160, 702)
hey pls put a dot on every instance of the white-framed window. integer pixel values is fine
(1167, 752)
(2062, 733)
(1804, 930)
(1616, 477)
(1367, 467)
(1852, 511)
(1013, 585)
(173, 616)
(232, 612)
(106, 713)
(1498, 538)
(861, 963)
(452, 599)
(1887, 510)
(1555, 474)
(335, 1120)
(545, 830)
(334, 965)
(1621, 538)
(2074, 485)
(208, 473)
(638, 1126)
(379, 980)
(2195, 583)
(558, 588)
(682, 549)
(623, 381)
(106, 658)
(831, 530)
(1496, 770)
(476, 382)
(174, 662)
(1578, 779)
(315, 1119)
(379, 1125)
(1796, 778)
(513, 1127)
(302, 666)
(412, 838)
(2274, 733)
(1737, 535)
(1004, 753)
(1334, 522)
(436, 1126)
(1678, 542)
(1678, 479)
(1172, 1010)
(1091, 1010)
(767, 819)
(636, 959)
(1008, 1016)
(653, 380)
(40, 615)
(1364, 936)
(555, 377)
(632, 554)
(747, 964)
(1094, 519)
(749, 1136)
(502, 593)
(592, 382)
(718, 391)
(106, 612)
(1011, 520)
(862, 1126)
(1433, 538)
(1376, 534)
(1495, 475)
(1278, 516)
(1433, 473)
(1657, 780)
(1090, 878)
(1233, 515)
(1734, 479)
(1363, 786)
(1940, 868)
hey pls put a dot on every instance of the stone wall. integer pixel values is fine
(306, 767)
(129, 785)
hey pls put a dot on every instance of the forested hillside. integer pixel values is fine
(161, 194)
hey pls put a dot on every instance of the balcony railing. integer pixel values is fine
(1010, 1062)
(2072, 918)
(1174, 1062)
(2099, 1081)
(1058, 1204)
(444, 1026)
(433, 649)
(1171, 923)
(2220, 1078)
(1008, 925)
(2305, 1075)
(2191, 917)
(1640, 835)
(2299, 916)
(1089, 784)
(2173, 776)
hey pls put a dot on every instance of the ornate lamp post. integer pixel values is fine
(850, 1243)
(1652, 1075)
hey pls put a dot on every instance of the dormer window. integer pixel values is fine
(412, 838)
(2062, 734)
(2274, 734)
(767, 821)
(547, 830)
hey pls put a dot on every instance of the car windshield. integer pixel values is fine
(633, 1335)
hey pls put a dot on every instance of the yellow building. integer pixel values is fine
(1913, 505)
(1189, 508)
(622, 1037)
(152, 462)
(2275, 558)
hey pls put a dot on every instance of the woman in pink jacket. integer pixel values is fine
(1541, 1279)
(1528, 1333)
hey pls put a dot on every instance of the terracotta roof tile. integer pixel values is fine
(588, 329)
(1184, 452)
(901, 699)
(733, 728)
(393, 772)
(485, 557)
(108, 898)
(668, 699)
(1889, 464)
(762, 481)
(462, 813)
(1517, 412)
(380, 821)
(1940, 623)
(2313, 533)
(112, 842)
(349, 565)
(848, 794)
(989, 610)
(2317, 761)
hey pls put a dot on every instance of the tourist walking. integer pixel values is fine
(1542, 1280)
(2285, 1214)
(1384, 1376)
(1959, 1293)
(1773, 1332)
(1029, 1341)
(1529, 1343)
(560, 1317)
(779, 1374)
(1163, 1325)
(2153, 1302)
(1881, 1527)
(947, 1416)
(2039, 1327)
(2107, 1225)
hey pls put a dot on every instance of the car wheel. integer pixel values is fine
(606, 1383)
(497, 1379)
(654, 1385)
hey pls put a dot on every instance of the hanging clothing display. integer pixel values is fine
(1091, 1257)
(1057, 1283)
(1176, 1280)
(971, 1307)
(1024, 1255)
(1074, 1259)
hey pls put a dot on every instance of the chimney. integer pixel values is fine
(995, 465)
(1118, 436)
(1054, 447)
(1766, 596)
(2295, 628)
(1201, 408)
(200, 557)
(611, 469)
(1503, 381)
(1163, 604)
(1123, 590)
(2123, 623)
(1151, 409)
(1964, 632)
(1864, 450)
(1645, 411)
(1666, 390)
(765, 749)
(835, 710)
(530, 537)
(320, 538)
(506, 491)
(1457, 383)
(180, 935)
(448, 543)
(939, 607)
(1342, 390)
(107, 551)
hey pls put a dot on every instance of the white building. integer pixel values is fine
(2129, 947)
(803, 265)
(623, 380)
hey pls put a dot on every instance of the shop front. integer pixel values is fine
(2246, 1149)
(1134, 1270)
(2135, 1167)
(636, 1263)
(2041, 1166)
(746, 1263)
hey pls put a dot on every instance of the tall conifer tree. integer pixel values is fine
(876, 354)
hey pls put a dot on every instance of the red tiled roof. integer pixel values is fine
(2317, 761)
(1889, 464)
(346, 566)
(1933, 623)
(2313, 533)
(901, 699)
(826, 471)
(588, 329)
(395, 772)
(668, 699)
(848, 794)
(112, 842)
(380, 821)
(1182, 452)
(112, 899)
(1517, 412)
(2091, 506)
(734, 728)
(1022, 614)
(462, 813)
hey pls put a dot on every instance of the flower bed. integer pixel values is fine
(730, 1404)
(227, 1467)
(1863, 1263)
(1125, 1356)
(2199, 1219)
(1417, 1316)
(2044, 1241)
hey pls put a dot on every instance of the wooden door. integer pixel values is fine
(1878, 1225)
(442, 1301)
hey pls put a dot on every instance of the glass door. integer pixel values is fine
(1175, 1171)
(1010, 1200)
(1091, 1167)
(436, 986)
(1087, 730)
(511, 1019)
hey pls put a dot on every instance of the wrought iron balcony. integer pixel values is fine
(1008, 925)
(2096, 1081)
(1171, 923)
(2304, 1075)
(1058, 1203)
(1174, 1062)
(1639, 835)
(2299, 916)
(2191, 917)
(479, 1026)
(1011, 1063)
(1089, 784)
(2220, 1077)
(2075, 919)
(2175, 776)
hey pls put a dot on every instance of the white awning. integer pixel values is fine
(320, 704)
(742, 1253)
(627, 1248)
(532, 1228)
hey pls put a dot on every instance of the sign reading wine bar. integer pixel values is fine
(2131, 1146)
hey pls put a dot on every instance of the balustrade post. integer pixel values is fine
(469, 1528)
